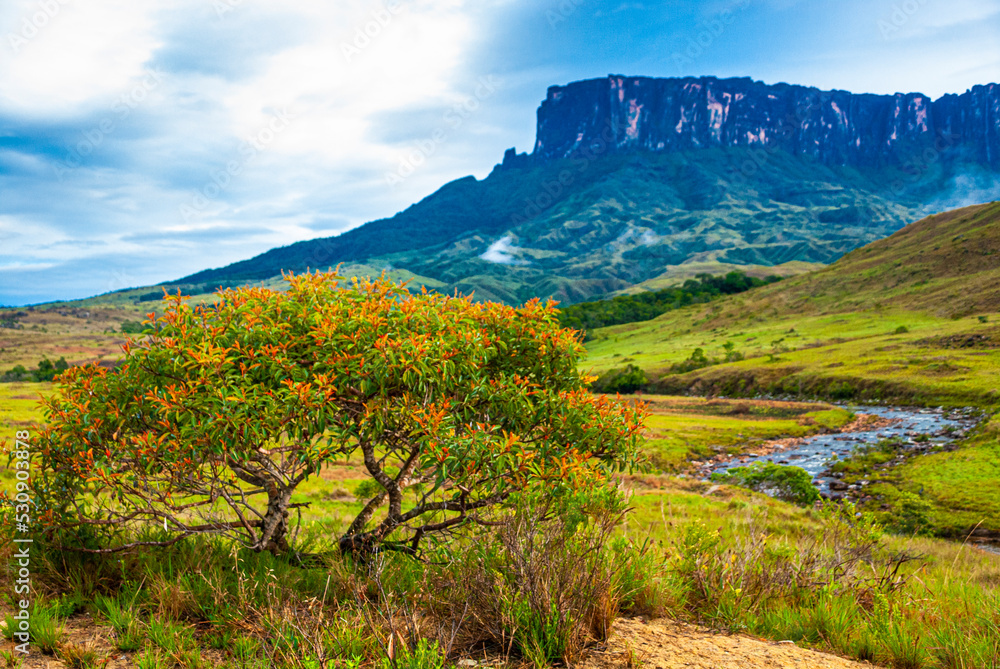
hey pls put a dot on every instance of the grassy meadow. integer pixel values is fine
(722, 556)
(526, 593)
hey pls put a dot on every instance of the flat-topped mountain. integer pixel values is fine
(631, 177)
(834, 127)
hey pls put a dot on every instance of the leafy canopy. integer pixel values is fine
(648, 305)
(219, 412)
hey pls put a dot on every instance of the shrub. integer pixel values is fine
(909, 513)
(696, 360)
(550, 578)
(645, 306)
(214, 419)
(792, 484)
(623, 380)
(46, 371)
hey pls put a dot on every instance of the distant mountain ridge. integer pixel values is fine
(632, 176)
(834, 127)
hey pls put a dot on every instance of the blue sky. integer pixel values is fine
(143, 141)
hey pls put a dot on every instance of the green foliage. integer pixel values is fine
(46, 627)
(646, 306)
(120, 613)
(792, 484)
(453, 405)
(628, 379)
(425, 655)
(11, 659)
(551, 577)
(134, 327)
(732, 355)
(170, 636)
(911, 513)
(696, 360)
(45, 372)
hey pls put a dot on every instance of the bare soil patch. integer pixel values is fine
(667, 644)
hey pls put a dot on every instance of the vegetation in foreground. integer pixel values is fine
(217, 416)
(538, 587)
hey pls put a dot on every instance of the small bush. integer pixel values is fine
(550, 580)
(623, 380)
(910, 514)
(902, 329)
(792, 484)
(132, 327)
(696, 360)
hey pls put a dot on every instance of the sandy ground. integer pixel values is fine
(666, 644)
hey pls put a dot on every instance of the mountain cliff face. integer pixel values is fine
(620, 113)
(632, 179)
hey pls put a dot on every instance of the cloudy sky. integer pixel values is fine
(143, 140)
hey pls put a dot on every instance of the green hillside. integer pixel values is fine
(912, 319)
(935, 285)
(575, 230)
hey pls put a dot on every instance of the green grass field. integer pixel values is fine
(912, 319)
(682, 429)
(715, 554)
(934, 361)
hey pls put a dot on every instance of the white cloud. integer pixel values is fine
(64, 55)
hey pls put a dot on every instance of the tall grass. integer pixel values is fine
(539, 585)
(544, 589)
(845, 588)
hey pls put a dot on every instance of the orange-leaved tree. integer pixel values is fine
(220, 412)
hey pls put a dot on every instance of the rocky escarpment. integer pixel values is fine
(637, 199)
(619, 113)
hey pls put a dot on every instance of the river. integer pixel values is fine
(933, 427)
